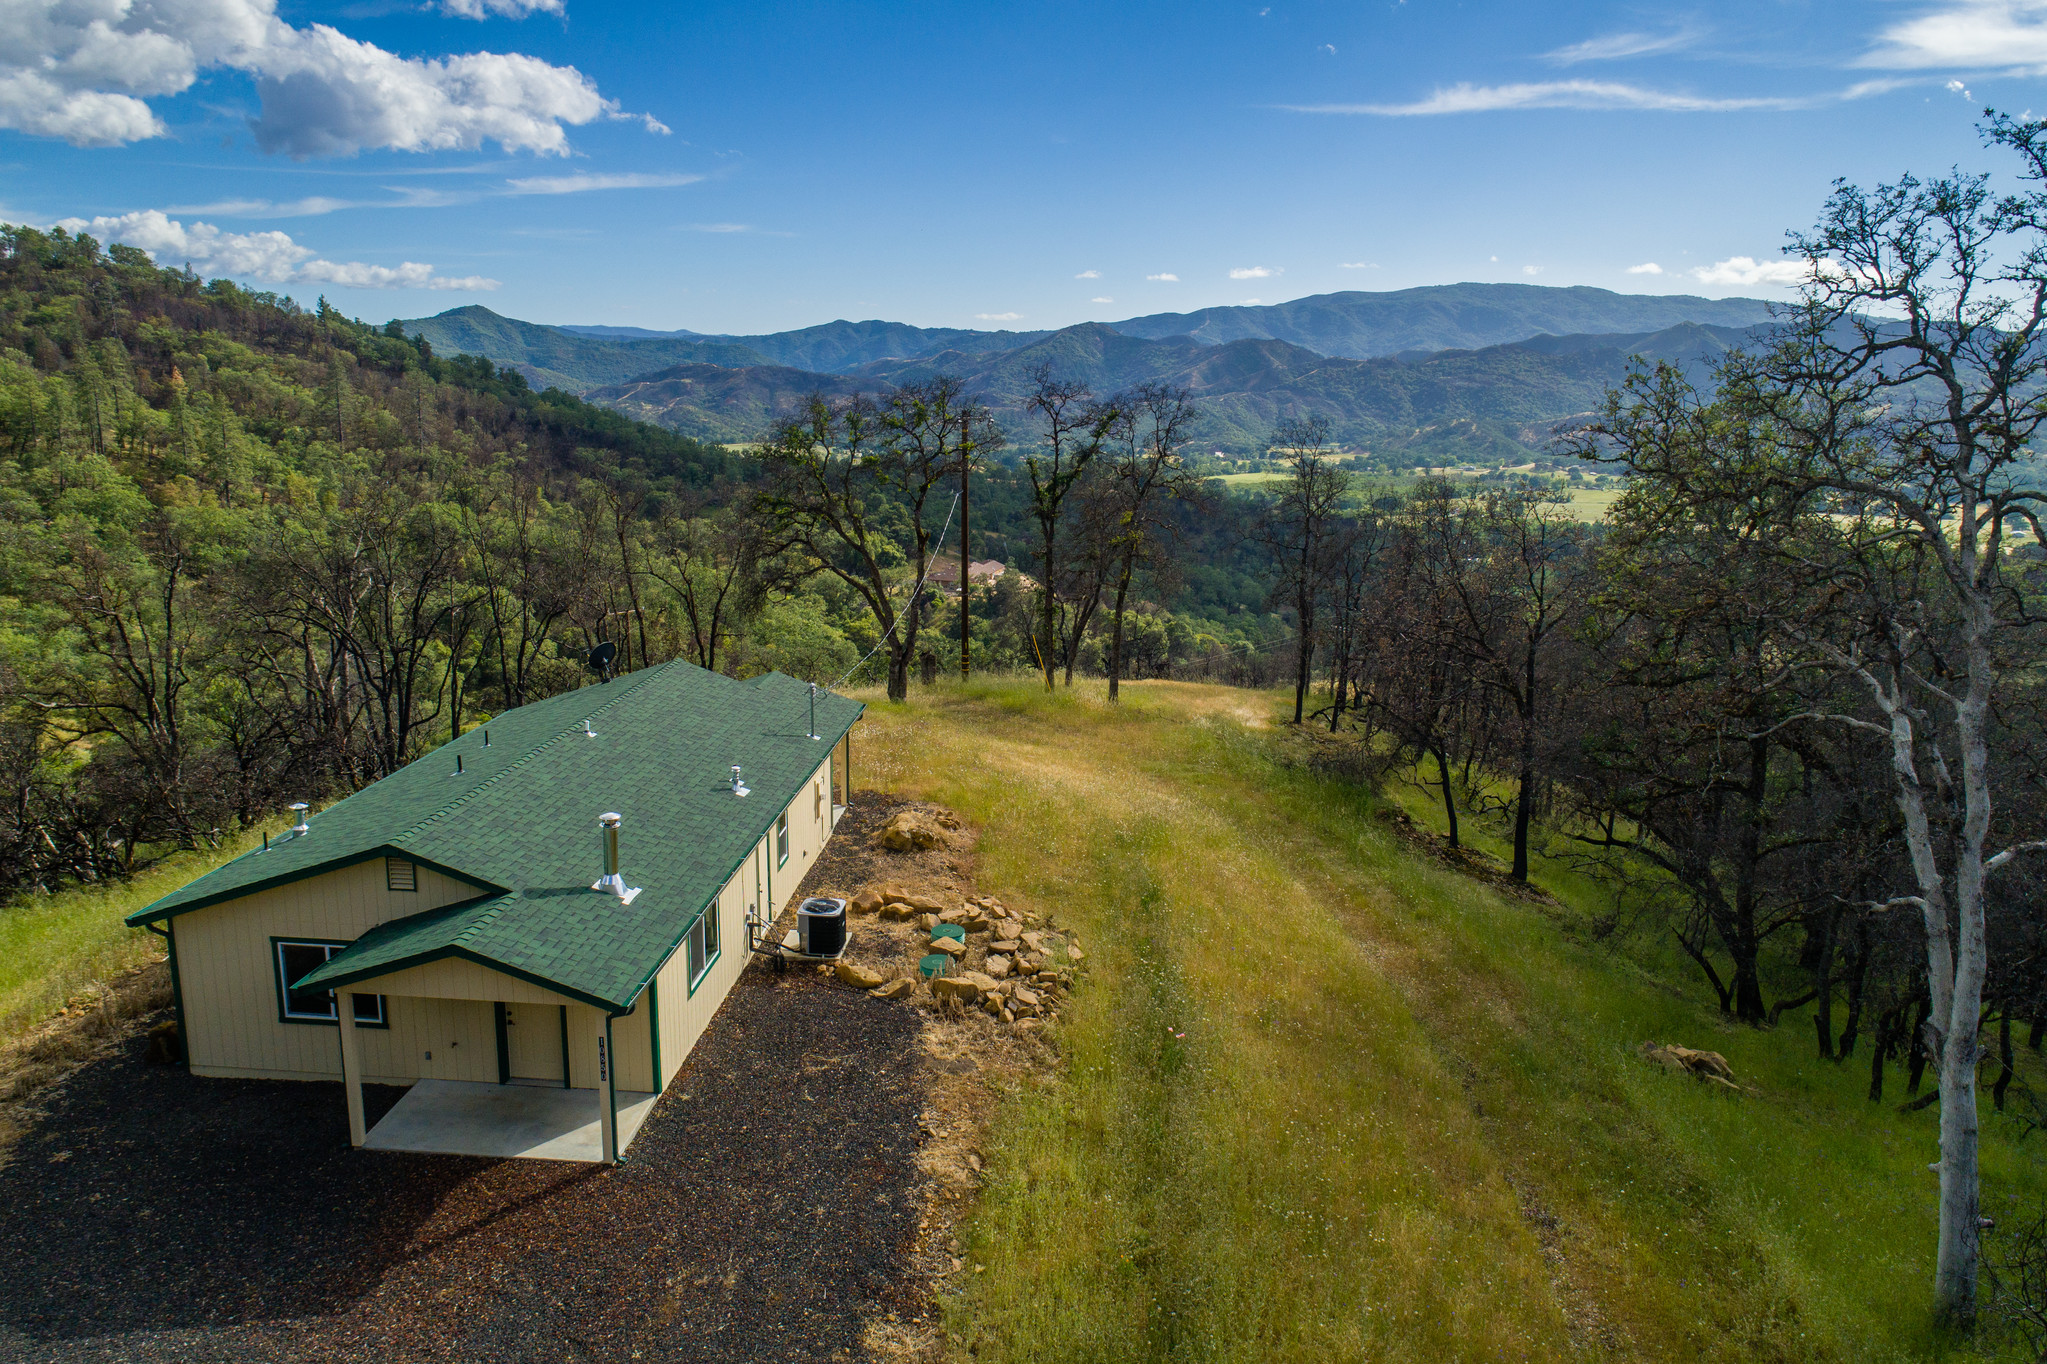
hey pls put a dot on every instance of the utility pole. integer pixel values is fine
(966, 556)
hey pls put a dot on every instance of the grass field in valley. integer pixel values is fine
(1323, 1099)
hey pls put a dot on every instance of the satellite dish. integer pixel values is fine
(601, 657)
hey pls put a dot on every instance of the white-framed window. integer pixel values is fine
(702, 944)
(297, 958)
(781, 838)
(400, 874)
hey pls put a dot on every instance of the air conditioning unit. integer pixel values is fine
(821, 926)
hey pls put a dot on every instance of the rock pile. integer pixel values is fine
(1704, 1065)
(914, 830)
(977, 953)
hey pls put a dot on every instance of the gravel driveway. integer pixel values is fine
(766, 1212)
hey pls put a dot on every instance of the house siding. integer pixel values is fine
(230, 985)
(441, 1022)
(684, 1015)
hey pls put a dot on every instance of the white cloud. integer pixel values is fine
(1250, 303)
(1996, 34)
(579, 184)
(1957, 88)
(1747, 270)
(1101, 300)
(1253, 272)
(1465, 98)
(1330, 48)
(1531, 269)
(998, 317)
(1089, 274)
(272, 257)
(1647, 267)
(1167, 279)
(721, 227)
(510, 9)
(83, 71)
(1614, 46)
(309, 207)
(1358, 265)
(414, 197)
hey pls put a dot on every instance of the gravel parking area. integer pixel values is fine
(767, 1212)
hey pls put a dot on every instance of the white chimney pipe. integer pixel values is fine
(611, 883)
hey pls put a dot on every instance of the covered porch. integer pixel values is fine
(521, 1120)
(501, 1067)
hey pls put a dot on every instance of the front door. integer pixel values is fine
(533, 1041)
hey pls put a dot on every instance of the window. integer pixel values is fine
(400, 874)
(782, 838)
(702, 943)
(295, 961)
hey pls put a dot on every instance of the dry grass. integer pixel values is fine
(91, 1023)
(1253, 1153)
(54, 946)
(1327, 1099)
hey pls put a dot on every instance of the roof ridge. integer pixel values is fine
(398, 839)
(492, 909)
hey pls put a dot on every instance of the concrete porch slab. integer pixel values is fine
(461, 1118)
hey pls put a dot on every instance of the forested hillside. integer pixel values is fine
(1444, 406)
(1362, 325)
(254, 554)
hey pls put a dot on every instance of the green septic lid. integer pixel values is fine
(953, 931)
(934, 965)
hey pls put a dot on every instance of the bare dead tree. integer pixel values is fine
(1148, 476)
(1074, 428)
(1296, 529)
(1894, 421)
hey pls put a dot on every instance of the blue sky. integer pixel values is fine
(755, 166)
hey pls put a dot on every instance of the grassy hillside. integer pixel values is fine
(1326, 1099)
(53, 946)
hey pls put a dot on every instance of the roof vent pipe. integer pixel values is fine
(611, 883)
(301, 827)
(739, 787)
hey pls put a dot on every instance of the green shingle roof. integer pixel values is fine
(520, 824)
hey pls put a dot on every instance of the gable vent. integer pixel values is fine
(400, 874)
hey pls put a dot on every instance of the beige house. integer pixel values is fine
(531, 926)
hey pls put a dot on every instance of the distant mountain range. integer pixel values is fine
(1459, 403)
(1455, 371)
(1362, 326)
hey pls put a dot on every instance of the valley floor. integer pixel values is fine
(1324, 1099)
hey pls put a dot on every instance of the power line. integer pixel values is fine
(915, 597)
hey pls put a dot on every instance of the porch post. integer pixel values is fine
(607, 1107)
(351, 1063)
